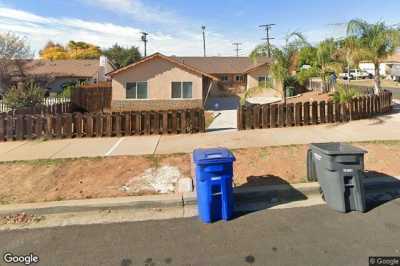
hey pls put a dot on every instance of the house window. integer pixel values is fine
(224, 78)
(239, 78)
(263, 81)
(136, 90)
(181, 90)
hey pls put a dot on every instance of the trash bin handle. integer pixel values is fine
(213, 168)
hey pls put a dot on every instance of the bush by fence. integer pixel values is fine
(312, 113)
(92, 97)
(77, 125)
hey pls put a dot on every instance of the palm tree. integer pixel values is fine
(285, 59)
(327, 60)
(378, 41)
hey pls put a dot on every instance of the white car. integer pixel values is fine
(355, 74)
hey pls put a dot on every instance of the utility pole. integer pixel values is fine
(145, 40)
(237, 49)
(204, 39)
(267, 28)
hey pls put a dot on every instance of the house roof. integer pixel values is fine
(61, 68)
(169, 59)
(395, 58)
(223, 65)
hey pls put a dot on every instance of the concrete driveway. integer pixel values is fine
(225, 113)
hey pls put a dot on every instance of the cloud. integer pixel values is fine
(39, 30)
(137, 9)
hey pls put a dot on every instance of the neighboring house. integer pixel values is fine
(159, 82)
(54, 75)
(389, 68)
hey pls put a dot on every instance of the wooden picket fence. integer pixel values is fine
(78, 125)
(312, 113)
(92, 97)
(49, 106)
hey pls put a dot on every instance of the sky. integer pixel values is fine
(175, 25)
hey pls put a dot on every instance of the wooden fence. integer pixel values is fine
(92, 97)
(77, 125)
(312, 113)
(49, 106)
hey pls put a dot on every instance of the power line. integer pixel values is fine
(145, 40)
(267, 28)
(237, 49)
(204, 39)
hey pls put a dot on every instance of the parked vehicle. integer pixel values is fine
(355, 74)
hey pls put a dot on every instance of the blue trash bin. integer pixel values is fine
(214, 172)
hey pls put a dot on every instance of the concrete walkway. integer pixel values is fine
(381, 128)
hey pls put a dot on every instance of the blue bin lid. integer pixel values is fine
(214, 155)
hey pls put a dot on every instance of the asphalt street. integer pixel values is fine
(300, 236)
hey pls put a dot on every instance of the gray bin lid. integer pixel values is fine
(337, 148)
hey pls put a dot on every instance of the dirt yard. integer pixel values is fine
(38, 181)
(309, 96)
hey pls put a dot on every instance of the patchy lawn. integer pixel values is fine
(53, 180)
(389, 84)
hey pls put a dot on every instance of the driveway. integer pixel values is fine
(225, 113)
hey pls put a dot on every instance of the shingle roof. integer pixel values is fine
(61, 68)
(222, 65)
(395, 58)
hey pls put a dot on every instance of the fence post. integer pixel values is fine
(249, 117)
(48, 126)
(306, 117)
(338, 116)
(19, 127)
(108, 125)
(202, 121)
(274, 116)
(314, 112)
(127, 124)
(29, 124)
(281, 115)
(165, 121)
(175, 122)
(89, 125)
(298, 113)
(2, 128)
(266, 116)
(58, 126)
(67, 125)
(38, 126)
(322, 115)
(239, 117)
(256, 116)
(330, 112)
(290, 115)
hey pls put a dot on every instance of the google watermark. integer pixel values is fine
(29, 259)
(384, 261)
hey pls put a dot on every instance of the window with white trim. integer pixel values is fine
(224, 78)
(136, 90)
(181, 90)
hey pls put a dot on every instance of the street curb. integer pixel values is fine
(273, 194)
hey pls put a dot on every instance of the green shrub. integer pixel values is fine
(305, 74)
(30, 94)
(344, 94)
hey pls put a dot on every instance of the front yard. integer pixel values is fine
(54, 180)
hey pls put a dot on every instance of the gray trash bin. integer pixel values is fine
(339, 169)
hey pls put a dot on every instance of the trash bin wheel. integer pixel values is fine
(322, 194)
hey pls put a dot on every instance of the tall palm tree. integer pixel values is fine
(285, 59)
(378, 41)
(327, 60)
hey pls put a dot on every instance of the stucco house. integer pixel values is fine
(160, 82)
